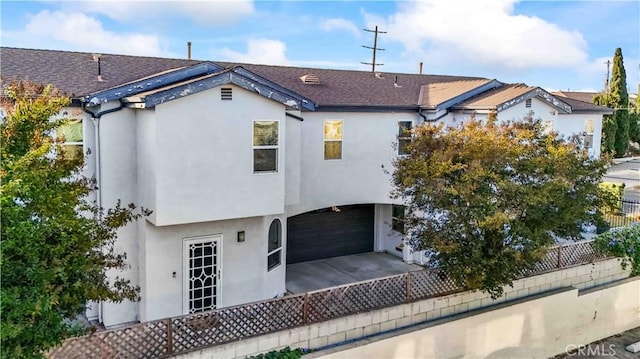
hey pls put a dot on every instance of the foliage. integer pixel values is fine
(56, 245)
(286, 353)
(615, 192)
(488, 199)
(624, 243)
(634, 119)
(615, 128)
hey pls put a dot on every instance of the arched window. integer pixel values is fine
(274, 256)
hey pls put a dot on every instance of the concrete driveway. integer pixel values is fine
(330, 272)
(627, 171)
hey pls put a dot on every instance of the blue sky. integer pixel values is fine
(552, 44)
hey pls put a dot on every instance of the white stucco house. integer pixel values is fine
(248, 168)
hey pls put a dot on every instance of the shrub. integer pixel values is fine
(623, 243)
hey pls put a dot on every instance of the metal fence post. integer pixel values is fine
(169, 336)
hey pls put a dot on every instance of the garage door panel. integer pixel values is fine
(325, 234)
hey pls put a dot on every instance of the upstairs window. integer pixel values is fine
(404, 136)
(547, 127)
(333, 139)
(274, 257)
(265, 146)
(71, 133)
(588, 135)
(397, 218)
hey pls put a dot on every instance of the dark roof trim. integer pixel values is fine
(299, 118)
(536, 92)
(366, 108)
(469, 94)
(229, 76)
(151, 83)
(304, 102)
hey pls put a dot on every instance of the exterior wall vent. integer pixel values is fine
(527, 103)
(226, 93)
(311, 79)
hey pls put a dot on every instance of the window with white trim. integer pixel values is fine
(71, 133)
(547, 127)
(588, 133)
(404, 136)
(274, 250)
(397, 218)
(333, 139)
(265, 146)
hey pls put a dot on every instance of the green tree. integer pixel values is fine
(634, 119)
(56, 246)
(488, 199)
(615, 128)
(609, 124)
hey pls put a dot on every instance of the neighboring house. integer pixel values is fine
(248, 168)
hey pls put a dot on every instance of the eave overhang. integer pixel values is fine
(150, 83)
(237, 76)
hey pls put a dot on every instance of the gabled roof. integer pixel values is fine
(76, 73)
(159, 92)
(507, 96)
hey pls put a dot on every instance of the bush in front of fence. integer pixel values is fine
(624, 243)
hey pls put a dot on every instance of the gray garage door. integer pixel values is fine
(326, 233)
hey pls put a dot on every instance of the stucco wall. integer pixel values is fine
(118, 159)
(204, 158)
(360, 176)
(244, 274)
(354, 327)
(540, 327)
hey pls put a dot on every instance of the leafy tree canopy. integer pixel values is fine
(56, 246)
(489, 199)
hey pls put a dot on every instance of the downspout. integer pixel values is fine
(95, 118)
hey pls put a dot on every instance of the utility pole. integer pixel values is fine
(606, 80)
(374, 48)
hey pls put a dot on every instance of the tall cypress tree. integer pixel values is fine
(620, 102)
(615, 128)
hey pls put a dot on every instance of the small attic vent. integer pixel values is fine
(527, 103)
(310, 79)
(226, 93)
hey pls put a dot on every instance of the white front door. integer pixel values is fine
(202, 267)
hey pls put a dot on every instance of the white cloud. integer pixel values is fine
(483, 32)
(79, 32)
(339, 24)
(259, 51)
(203, 12)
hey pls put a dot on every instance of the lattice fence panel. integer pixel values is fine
(356, 298)
(430, 283)
(148, 340)
(234, 323)
(579, 253)
(548, 263)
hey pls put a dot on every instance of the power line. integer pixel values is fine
(374, 49)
